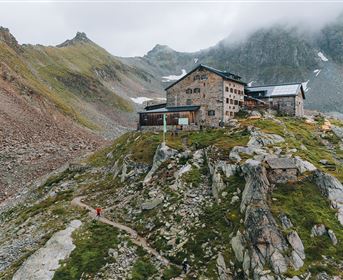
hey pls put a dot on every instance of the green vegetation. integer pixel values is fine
(218, 222)
(171, 272)
(143, 269)
(140, 146)
(305, 206)
(91, 252)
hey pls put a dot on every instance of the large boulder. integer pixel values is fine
(338, 131)
(266, 242)
(237, 244)
(223, 272)
(151, 204)
(257, 185)
(259, 138)
(332, 189)
(163, 152)
(296, 243)
(304, 166)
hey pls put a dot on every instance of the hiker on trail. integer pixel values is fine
(98, 212)
(185, 266)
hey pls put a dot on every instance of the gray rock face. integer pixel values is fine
(217, 184)
(163, 152)
(296, 243)
(151, 204)
(42, 264)
(259, 138)
(222, 270)
(304, 166)
(332, 189)
(338, 131)
(297, 262)
(318, 230)
(266, 243)
(257, 185)
(237, 244)
(332, 237)
(285, 221)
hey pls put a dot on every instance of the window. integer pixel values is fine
(227, 100)
(196, 90)
(196, 77)
(235, 91)
(211, 113)
(231, 90)
(236, 102)
(227, 113)
(189, 91)
(203, 77)
(231, 101)
(231, 114)
(189, 101)
(226, 89)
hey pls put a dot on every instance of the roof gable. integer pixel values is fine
(224, 74)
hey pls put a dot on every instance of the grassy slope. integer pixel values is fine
(70, 72)
(26, 78)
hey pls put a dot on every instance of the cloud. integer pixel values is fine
(129, 29)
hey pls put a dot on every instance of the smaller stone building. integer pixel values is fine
(282, 170)
(286, 99)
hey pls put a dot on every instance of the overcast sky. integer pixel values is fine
(129, 29)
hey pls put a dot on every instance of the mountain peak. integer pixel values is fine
(80, 37)
(160, 48)
(7, 38)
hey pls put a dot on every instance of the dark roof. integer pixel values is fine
(173, 109)
(224, 74)
(155, 106)
(290, 89)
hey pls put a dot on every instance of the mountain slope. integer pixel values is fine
(207, 196)
(57, 103)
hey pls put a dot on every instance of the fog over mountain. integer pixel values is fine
(129, 29)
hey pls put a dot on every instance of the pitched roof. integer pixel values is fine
(224, 74)
(173, 109)
(277, 90)
(282, 163)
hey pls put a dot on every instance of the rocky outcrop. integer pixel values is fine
(285, 221)
(320, 230)
(43, 263)
(163, 152)
(298, 253)
(267, 246)
(331, 188)
(151, 204)
(259, 138)
(223, 272)
(282, 170)
(304, 166)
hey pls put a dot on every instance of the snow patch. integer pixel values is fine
(250, 83)
(196, 60)
(306, 89)
(174, 77)
(140, 100)
(322, 56)
(317, 71)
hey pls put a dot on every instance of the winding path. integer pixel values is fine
(135, 238)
